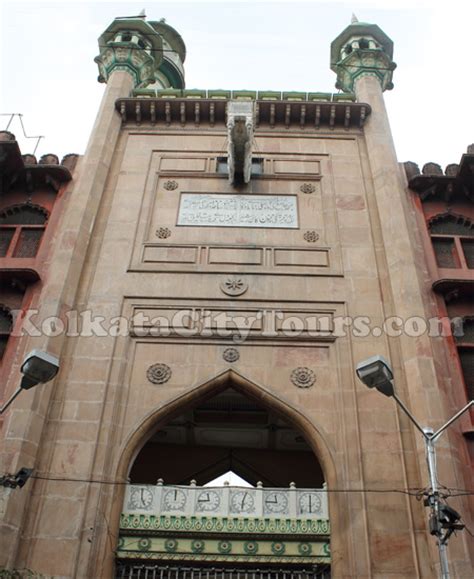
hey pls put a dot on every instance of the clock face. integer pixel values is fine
(174, 499)
(242, 502)
(309, 503)
(141, 498)
(275, 502)
(208, 501)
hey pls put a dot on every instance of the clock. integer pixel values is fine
(140, 498)
(242, 502)
(275, 502)
(208, 501)
(309, 503)
(174, 499)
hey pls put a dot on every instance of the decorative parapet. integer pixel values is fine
(431, 182)
(133, 45)
(24, 171)
(240, 129)
(362, 50)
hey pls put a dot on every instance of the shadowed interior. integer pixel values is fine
(228, 431)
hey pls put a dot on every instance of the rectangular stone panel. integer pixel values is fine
(266, 211)
(296, 166)
(174, 254)
(302, 257)
(182, 164)
(234, 319)
(236, 255)
(304, 322)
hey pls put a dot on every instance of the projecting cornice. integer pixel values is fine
(24, 171)
(432, 183)
(290, 113)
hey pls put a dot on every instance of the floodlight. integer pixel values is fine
(375, 372)
(19, 479)
(38, 367)
(22, 476)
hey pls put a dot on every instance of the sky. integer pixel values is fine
(48, 74)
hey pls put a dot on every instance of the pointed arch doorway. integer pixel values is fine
(174, 526)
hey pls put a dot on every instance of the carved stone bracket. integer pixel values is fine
(240, 128)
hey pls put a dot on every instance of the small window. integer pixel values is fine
(448, 224)
(21, 229)
(6, 326)
(445, 252)
(453, 243)
(466, 355)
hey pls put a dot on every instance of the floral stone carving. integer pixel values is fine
(163, 232)
(234, 286)
(231, 355)
(158, 373)
(307, 188)
(303, 377)
(311, 236)
(170, 185)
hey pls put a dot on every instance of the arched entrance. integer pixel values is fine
(173, 526)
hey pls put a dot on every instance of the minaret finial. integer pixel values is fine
(354, 19)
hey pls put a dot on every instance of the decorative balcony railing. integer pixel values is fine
(202, 526)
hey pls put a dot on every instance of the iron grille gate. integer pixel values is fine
(156, 571)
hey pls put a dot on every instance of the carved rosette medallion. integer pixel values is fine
(234, 286)
(307, 188)
(303, 377)
(251, 547)
(144, 544)
(197, 546)
(224, 547)
(305, 549)
(171, 545)
(311, 236)
(170, 185)
(163, 232)
(158, 373)
(278, 548)
(231, 355)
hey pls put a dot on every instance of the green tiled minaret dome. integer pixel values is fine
(362, 49)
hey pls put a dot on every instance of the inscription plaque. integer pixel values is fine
(278, 211)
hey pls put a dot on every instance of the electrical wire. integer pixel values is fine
(412, 492)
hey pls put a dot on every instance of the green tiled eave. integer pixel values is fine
(245, 95)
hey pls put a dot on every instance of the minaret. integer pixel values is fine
(361, 56)
(362, 50)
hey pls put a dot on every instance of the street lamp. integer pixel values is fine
(375, 372)
(38, 367)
